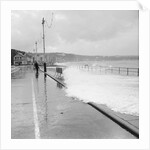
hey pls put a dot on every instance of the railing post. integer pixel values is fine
(127, 71)
(119, 70)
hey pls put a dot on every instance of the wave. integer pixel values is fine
(119, 93)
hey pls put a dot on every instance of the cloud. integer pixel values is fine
(59, 17)
(77, 31)
(95, 25)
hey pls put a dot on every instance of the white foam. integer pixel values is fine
(120, 93)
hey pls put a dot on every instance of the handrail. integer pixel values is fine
(15, 69)
(112, 69)
(53, 78)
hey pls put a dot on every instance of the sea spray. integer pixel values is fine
(119, 93)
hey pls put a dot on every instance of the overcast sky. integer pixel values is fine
(92, 32)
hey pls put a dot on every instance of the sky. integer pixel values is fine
(84, 32)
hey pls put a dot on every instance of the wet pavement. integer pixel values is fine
(40, 109)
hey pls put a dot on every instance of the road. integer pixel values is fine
(40, 109)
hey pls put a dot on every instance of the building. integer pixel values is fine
(22, 59)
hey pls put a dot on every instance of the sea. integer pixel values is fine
(113, 63)
(118, 92)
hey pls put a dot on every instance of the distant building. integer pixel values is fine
(22, 59)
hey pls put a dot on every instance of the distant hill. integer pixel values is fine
(66, 57)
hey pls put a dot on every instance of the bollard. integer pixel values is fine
(45, 67)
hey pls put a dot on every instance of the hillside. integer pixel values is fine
(66, 57)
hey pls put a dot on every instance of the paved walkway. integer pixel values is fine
(40, 109)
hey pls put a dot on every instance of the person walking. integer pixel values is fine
(36, 65)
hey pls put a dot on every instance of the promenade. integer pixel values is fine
(40, 109)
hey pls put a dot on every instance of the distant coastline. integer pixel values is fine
(68, 57)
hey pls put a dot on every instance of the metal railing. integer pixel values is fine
(111, 70)
(14, 69)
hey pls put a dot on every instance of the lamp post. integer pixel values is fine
(36, 49)
(33, 55)
(43, 21)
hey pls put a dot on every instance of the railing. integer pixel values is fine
(112, 70)
(14, 69)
